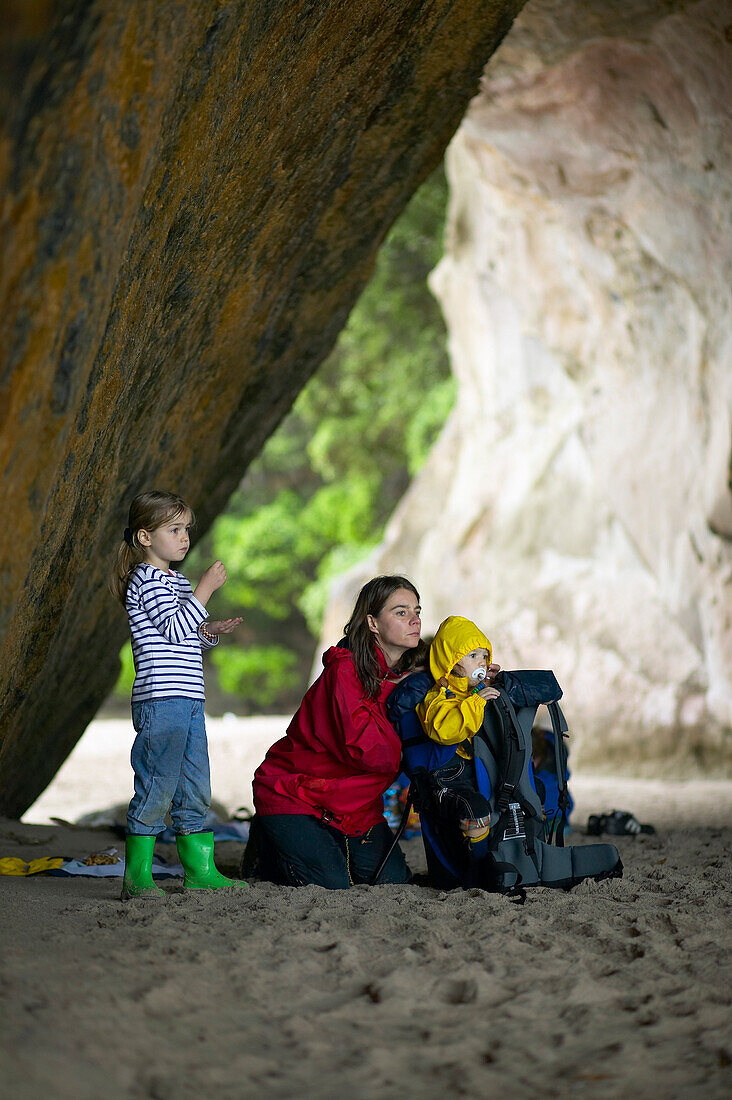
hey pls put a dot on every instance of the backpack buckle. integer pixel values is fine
(516, 827)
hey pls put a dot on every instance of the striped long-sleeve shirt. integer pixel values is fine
(165, 618)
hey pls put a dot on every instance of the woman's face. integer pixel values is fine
(398, 625)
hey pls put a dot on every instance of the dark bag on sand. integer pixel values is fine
(522, 849)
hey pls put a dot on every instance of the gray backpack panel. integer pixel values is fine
(519, 855)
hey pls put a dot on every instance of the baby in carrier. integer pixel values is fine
(451, 714)
(483, 819)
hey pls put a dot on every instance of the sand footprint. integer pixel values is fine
(459, 991)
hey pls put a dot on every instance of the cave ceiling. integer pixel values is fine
(193, 196)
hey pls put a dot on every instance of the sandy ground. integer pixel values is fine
(617, 989)
(97, 774)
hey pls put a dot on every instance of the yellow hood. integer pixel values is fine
(455, 637)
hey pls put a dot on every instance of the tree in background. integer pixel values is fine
(317, 498)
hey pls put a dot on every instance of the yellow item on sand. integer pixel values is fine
(11, 865)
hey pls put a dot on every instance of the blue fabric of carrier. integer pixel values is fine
(530, 687)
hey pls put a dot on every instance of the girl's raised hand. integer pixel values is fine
(215, 576)
(212, 579)
(223, 626)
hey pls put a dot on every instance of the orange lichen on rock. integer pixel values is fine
(194, 195)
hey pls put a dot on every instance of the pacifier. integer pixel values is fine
(478, 675)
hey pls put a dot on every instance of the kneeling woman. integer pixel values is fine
(318, 792)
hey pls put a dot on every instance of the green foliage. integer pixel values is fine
(314, 599)
(425, 424)
(123, 687)
(259, 673)
(317, 498)
(389, 368)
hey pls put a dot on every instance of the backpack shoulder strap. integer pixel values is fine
(559, 729)
(515, 784)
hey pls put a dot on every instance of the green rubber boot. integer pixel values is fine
(138, 880)
(196, 851)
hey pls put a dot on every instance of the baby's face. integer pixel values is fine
(468, 665)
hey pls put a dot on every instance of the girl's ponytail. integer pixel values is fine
(129, 554)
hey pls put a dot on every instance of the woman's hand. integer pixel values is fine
(223, 626)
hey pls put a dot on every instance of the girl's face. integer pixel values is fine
(168, 543)
(468, 664)
(398, 625)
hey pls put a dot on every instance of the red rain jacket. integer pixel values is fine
(339, 754)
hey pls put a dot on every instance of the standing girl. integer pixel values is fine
(169, 630)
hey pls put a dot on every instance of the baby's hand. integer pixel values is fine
(223, 626)
(475, 828)
(492, 671)
(487, 692)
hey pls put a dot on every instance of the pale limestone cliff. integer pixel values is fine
(578, 502)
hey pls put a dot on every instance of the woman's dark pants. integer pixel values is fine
(300, 850)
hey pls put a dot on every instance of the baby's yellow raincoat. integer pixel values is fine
(450, 713)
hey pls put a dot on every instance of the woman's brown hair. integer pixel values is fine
(148, 511)
(360, 638)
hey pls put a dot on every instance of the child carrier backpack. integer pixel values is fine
(523, 847)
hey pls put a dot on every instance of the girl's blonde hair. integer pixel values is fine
(148, 511)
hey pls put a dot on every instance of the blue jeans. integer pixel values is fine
(170, 761)
(301, 850)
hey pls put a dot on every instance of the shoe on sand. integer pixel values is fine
(138, 880)
(616, 823)
(196, 851)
